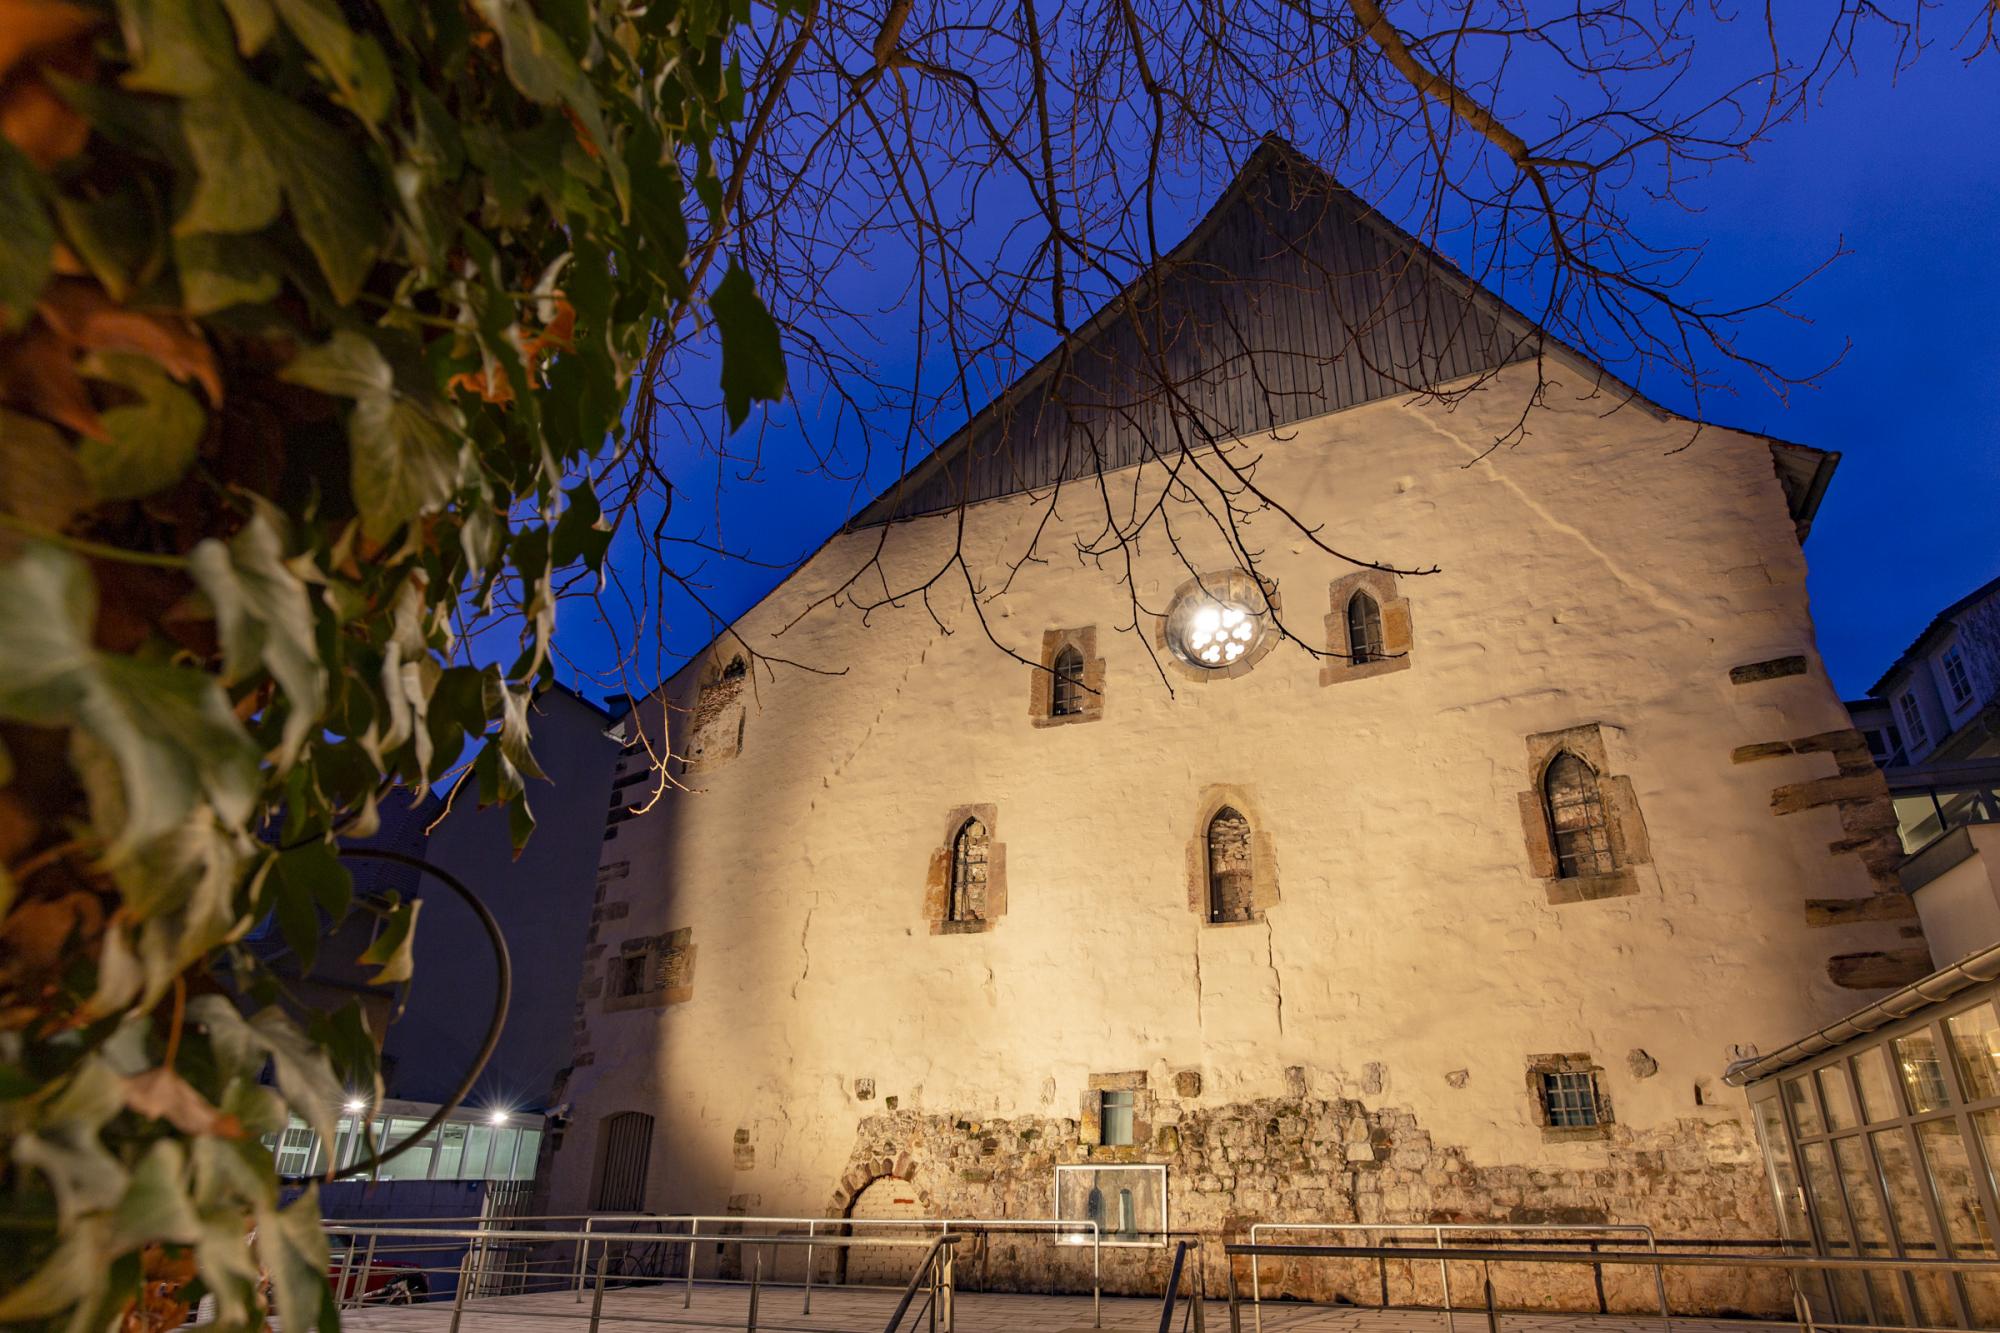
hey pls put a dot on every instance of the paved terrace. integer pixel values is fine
(866, 1311)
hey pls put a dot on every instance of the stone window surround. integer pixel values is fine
(653, 949)
(1397, 635)
(937, 884)
(1041, 684)
(1090, 1130)
(1568, 1062)
(1630, 845)
(1220, 581)
(717, 696)
(1263, 856)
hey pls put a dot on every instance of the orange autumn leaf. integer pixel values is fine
(83, 314)
(27, 26)
(558, 335)
(37, 121)
(162, 1094)
(38, 376)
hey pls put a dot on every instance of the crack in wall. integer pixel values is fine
(1277, 977)
(805, 929)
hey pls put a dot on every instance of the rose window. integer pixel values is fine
(1216, 627)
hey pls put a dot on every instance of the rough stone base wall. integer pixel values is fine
(1305, 1159)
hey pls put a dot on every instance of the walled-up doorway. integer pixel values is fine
(886, 1198)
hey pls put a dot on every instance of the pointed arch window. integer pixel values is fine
(1577, 826)
(1066, 695)
(1230, 864)
(1364, 629)
(970, 850)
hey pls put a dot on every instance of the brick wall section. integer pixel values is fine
(1335, 1159)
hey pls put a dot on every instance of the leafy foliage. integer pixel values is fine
(316, 317)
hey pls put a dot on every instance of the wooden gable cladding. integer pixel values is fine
(1291, 299)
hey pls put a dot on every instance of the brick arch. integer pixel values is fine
(883, 1197)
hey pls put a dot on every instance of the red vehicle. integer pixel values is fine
(365, 1281)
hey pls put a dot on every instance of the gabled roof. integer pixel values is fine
(1290, 299)
(1940, 624)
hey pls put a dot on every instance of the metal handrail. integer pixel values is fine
(812, 1224)
(937, 1261)
(1597, 1258)
(1437, 1230)
(1174, 1287)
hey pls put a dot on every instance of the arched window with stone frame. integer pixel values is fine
(1578, 828)
(970, 850)
(1066, 687)
(1231, 867)
(1364, 629)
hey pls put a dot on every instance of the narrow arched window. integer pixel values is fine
(1229, 867)
(1066, 687)
(968, 873)
(1577, 825)
(1364, 629)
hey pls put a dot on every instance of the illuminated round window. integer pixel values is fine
(1217, 622)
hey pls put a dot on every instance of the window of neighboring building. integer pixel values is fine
(1955, 677)
(1230, 867)
(1569, 1099)
(1114, 1117)
(1067, 693)
(967, 900)
(1364, 629)
(1577, 825)
(1913, 717)
(628, 975)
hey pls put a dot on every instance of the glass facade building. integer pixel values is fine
(469, 1145)
(1881, 1138)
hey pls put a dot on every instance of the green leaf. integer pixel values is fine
(177, 46)
(169, 729)
(545, 71)
(581, 533)
(305, 1079)
(218, 271)
(264, 618)
(155, 1205)
(237, 185)
(150, 443)
(391, 951)
(255, 22)
(40, 479)
(31, 238)
(753, 362)
(74, 1273)
(352, 61)
(406, 453)
(291, 1245)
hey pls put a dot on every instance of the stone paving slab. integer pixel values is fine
(851, 1311)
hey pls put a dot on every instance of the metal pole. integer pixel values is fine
(1659, 1282)
(458, 1296)
(1256, 1283)
(583, 1257)
(1597, 1276)
(1096, 1274)
(694, 1230)
(809, 1268)
(1235, 1300)
(756, 1280)
(367, 1267)
(597, 1300)
(343, 1288)
(1200, 1287)
(950, 1261)
(1492, 1316)
(1444, 1274)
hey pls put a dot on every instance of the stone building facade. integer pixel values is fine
(1458, 919)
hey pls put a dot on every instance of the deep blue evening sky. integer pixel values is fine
(1906, 175)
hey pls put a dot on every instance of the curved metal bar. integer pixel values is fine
(924, 1266)
(504, 994)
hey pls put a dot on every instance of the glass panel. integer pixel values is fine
(1917, 822)
(451, 1151)
(1837, 1094)
(414, 1164)
(1784, 1176)
(1923, 1075)
(526, 1159)
(1975, 1049)
(1878, 1096)
(1912, 1219)
(476, 1145)
(1871, 1226)
(501, 1166)
(1798, 1098)
(1832, 1219)
(1965, 1225)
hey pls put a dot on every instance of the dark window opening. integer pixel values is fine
(1066, 689)
(1364, 629)
(628, 975)
(1577, 824)
(969, 854)
(735, 669)
(1570, 1100)
(1230, 864)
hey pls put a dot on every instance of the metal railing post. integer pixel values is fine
(597, 1299)
(1096, 1274)
(1235, 1300)
(756, 1280)
(1492, 1315)
(1200, 1288)
(458, 1296)
(950, 1257)
(694, 1234)
(583, 1257)
(1256, 1284)
(343, 1287)
(810, 1231)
